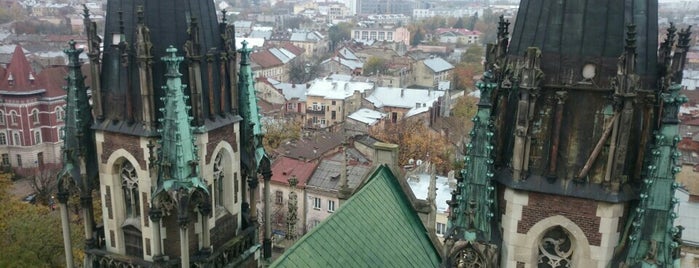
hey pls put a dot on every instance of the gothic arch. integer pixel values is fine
(581, 254)
(127, 226)
(222, 163)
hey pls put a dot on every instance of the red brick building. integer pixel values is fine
(31, 114)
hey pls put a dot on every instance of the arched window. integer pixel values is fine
(14, 117)
(219, 176)
(2, 118)
(3, 139)
(60, 113)
(133, 239)
(37, 137)
(555, 249)
(129, 183)
(16, 141)
(35, 116)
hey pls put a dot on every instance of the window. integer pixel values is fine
(441, 228)
(129, 182)
(19, 160)
(61, 133)
(37, 137)
(279, 197)
(316, 107)
(556, 248)
(389, 36)
(333, 102)
(316, 203)
(218, 180)
(14, 117)
(322, 121)
(60, 113)
(333, 115)
(2, 118)
(289, 106)
(331, 205)
(40, 159)
(16, 140)
(3, 139)
(5, 159)
(35, 116)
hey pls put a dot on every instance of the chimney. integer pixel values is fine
(402, 92)
(386, 154)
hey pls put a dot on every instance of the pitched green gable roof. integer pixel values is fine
(377, 227)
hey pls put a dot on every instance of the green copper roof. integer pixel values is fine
(177, 156)
(376, 227)
(78, 139)
(473, 202)
(654, 240)
(251, 127)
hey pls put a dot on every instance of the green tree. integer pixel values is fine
(418, 36)
(31, 235)
(338, 33)
(471, 25)
(302, 71)
(459, 24)
(374, 65)
(474, 54)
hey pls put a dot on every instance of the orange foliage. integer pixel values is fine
(417, 141)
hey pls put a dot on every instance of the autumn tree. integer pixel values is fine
(417, 141)
(280, 130)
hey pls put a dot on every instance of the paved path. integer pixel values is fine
(22, 188)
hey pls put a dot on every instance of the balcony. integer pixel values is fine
(314, 111)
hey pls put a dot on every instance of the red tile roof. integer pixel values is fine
(20, 70)
(283, 168)
(53, 79)
(265, 59)
(293, 49)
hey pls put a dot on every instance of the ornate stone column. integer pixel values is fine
(155, 216)
(184, 241)
(62, 203)
(204, 212)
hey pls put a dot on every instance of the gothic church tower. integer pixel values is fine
(571, 161)
(166, 128)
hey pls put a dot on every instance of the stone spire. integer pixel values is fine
(472, 206)
(253, 156)
(79, 154)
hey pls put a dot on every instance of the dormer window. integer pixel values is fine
(11, 80)
(31, 79)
